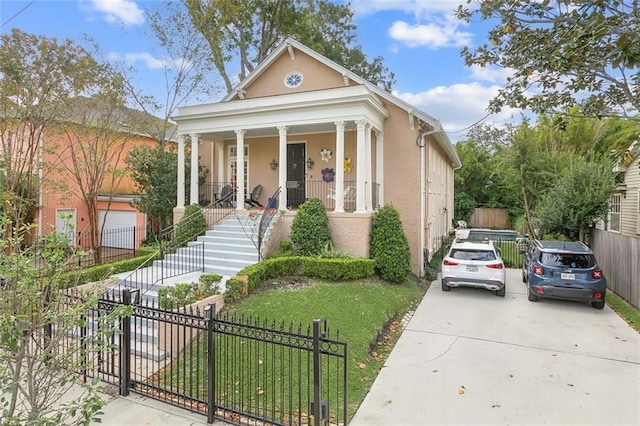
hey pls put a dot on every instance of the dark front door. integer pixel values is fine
(295, 174)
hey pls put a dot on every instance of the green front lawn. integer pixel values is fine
(363, 313)
(358, 310)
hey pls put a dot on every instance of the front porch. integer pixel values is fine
(213, 194)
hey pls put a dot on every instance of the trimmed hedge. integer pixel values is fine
(251, 277)
(100, 272)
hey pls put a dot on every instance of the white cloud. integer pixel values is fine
(458, 106)
(151, 62)
(491, 74)
(416, 7)
(126, 12)
(434, 24)
(430, 35)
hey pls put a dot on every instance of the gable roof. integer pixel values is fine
(290, 43)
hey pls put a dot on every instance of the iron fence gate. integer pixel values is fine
(234, 369)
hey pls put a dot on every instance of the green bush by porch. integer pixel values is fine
(389, 245)
(310, 231)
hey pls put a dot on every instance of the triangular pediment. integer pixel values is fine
(293, 68)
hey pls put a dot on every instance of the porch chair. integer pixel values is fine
(253, 197)
(226, 197)
(349, 193)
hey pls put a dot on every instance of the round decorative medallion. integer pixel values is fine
(293, 79)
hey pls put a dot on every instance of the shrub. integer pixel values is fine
(100, 272)
(310, 228)
(328, 252)
(389, 246)
(285, 250)
(337, 269)
(183, 294)
(192, 224)
(251, 277)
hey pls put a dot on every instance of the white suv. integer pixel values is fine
(473, 264)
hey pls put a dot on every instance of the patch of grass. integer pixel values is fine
(363, 311)
(365, 314)
(627, 311)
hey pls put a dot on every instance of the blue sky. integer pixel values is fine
(420, 41)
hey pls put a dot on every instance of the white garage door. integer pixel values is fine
(119, 229)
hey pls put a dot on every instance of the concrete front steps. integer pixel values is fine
(228, 248)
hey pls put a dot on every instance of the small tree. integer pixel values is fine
(310, 232)
(389, 245)
(192, 224)
(578, 198)
(463, 205)
(40, 349)
(154, 172)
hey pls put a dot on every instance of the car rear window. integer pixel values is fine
(568, 260)
(467, 254)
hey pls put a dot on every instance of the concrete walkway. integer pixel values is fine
(468, 357)
(137, 410)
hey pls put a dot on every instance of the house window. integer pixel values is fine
(614, 213)
(233, 169)
(293, 79)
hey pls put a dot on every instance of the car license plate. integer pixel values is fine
(472, 268)
(566, 276)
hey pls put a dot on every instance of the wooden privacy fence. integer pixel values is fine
(619, 257)
(490, 218)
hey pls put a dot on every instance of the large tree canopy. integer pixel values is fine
(241, 33)
(562, 53)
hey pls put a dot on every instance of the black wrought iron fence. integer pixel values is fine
(510, 250)
(237, 370)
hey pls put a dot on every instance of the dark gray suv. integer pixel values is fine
(563, 270)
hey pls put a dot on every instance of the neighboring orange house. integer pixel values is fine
(60, 199)
(305, 124)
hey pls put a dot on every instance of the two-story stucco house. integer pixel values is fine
(303, 123)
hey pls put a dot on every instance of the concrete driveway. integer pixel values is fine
(469, 357)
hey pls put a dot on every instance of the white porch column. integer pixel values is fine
(220, 158)
(282, 166)
(369, 184)
(240, 169)
(380, 166)
(339, 207)
(181, 189)
(361, 165)
(193, 184)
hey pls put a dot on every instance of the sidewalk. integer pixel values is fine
(137, 410)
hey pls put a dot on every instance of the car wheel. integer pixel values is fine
(502, 291)
(530, 296)
(445, 287)
(598, 305)
(524, 277)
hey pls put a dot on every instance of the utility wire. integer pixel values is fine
(471, 126)
(18, 13)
